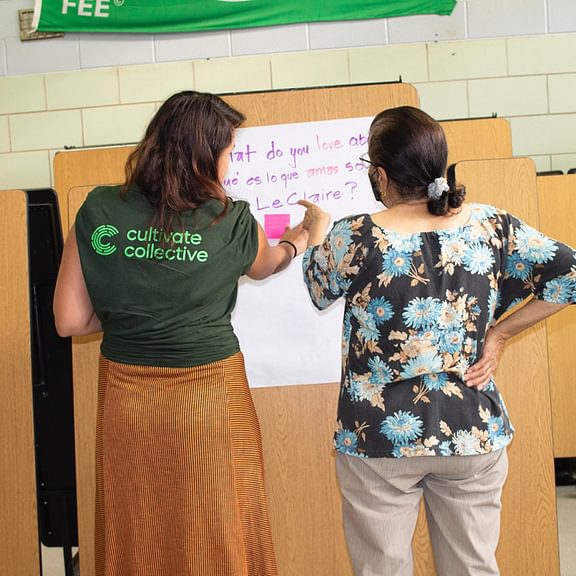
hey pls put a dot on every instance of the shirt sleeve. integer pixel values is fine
(83, 222)
(246, 235)
(330, 267)
(535, 265)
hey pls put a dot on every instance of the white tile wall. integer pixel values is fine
(429, 28)
(39, 56)
(9, 18)
(98, 50)
(269, 39)
(485, 18)
(561, 16)
(192, 46)
(324, 35)
(3, 67)
(492, 18)
(470, 19)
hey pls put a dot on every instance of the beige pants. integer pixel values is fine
(381, 499)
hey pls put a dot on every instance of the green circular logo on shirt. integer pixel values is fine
(100, 238)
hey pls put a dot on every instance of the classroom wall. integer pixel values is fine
(513, 58)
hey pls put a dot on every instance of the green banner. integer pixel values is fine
(203, 15)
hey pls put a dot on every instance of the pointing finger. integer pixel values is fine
(306, 203)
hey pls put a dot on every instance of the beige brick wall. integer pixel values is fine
(240, 74)
(4, 134)
(154, 82)
(24, 170)
(22, 94)
(45, 130)
(468, 59)
(116, 124)
(319, 68)
(389, 63)
(529, 80)
(65, 90)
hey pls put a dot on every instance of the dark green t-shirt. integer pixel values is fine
(164, 300)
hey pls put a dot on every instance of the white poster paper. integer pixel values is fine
(284, 338)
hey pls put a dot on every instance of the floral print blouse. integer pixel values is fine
(417, 308)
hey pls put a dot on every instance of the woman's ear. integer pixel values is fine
(382, 181)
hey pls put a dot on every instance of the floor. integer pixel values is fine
(566, 499)
(53, 563)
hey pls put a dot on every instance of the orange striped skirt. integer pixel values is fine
(180, 486)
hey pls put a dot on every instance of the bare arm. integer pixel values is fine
(272, 259)
(478, 376)
(73, 311)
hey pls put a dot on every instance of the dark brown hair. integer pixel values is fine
(176, 164)
(411, 147)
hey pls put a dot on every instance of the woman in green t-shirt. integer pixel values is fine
(154, 264)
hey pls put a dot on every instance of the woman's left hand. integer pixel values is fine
(479, 374)
(297, 236)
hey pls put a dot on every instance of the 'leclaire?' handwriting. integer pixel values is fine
(316, 197)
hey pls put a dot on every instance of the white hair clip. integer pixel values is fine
(437, 188)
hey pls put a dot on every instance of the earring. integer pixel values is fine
(374, 179)
(382, 192)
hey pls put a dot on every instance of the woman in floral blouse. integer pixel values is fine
(425, 282)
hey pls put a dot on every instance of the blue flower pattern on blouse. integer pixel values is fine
(417, 309)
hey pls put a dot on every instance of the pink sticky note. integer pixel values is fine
(275, 225)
